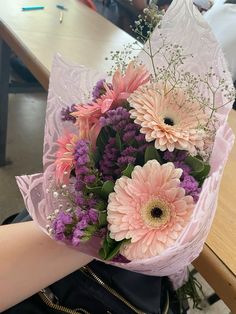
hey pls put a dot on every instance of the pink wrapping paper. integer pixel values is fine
(70, 84)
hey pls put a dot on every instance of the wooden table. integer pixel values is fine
(87, 38)
(217, 262)
(83, 37)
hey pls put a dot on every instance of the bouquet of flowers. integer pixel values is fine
(133, 161)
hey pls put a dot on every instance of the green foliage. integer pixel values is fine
(107, 188)
(152, 153)
(192, 289)
(200, 169)
(102, 218)
(118, 142)
(128, 170)
(103, 190)
(89, 232)
(110, 248)
(95, 190)
(101, 205)
(103, 137)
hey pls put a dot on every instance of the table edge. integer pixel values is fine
(218, 275)
(36, 68)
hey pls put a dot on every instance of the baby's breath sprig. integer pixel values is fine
(172, 73)
(146, 23)
(121, 58)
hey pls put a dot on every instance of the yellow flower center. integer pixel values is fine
(156, 213)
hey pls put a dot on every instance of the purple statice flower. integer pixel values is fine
(129, 151)
(82, 148)
(176, 155)
(140, 139)
(81, 200)
(83, 223)
(128, 156)
(93, 215)
(82, 153)
(169, 156)
(108, 162)
(188, 182)
(142, 148)
(116, 118)
(77, 235)
(59, 224)
(66, 114)
(124, 161)
(79, 185)
(131, 132)
(186, 169)
(91, 202)
(83, 169)
(99, 89)
(86, 218)
(129, 136)
(191, 186)
(89, 179)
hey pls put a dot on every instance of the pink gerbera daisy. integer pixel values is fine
(150, 209)
(167, 117)
(122, 86)
(65, 157)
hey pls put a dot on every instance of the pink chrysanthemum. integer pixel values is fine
(122, 86)
(87, 120)
(65, 157)
(151, 209)
(168, 117)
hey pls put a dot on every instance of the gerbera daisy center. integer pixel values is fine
(156, 213)
(169, 121)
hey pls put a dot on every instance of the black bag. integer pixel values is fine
(99, 289)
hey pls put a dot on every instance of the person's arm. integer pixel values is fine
(30, 261)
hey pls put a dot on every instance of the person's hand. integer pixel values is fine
(31, 261)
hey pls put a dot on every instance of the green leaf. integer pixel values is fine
(203, 174)
(118, 141)
(102, 253)
(195, 164)
(107, 188)
(102, 139)
(200, 169)
(110, 248)
(95, 190)
(102, 219)
(96, 156)
(128, 170)
(114, 251)
(90, 230)
(152, 153)
(101, 205)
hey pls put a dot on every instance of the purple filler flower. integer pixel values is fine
(108, 162)
(87, 218)
(59, 224)
(83, 171)
(117, 118)
(176, 155)
(98, 89)
(77, 235)
(66, 114)
(191, 186)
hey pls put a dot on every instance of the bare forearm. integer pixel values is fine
(30, 261)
